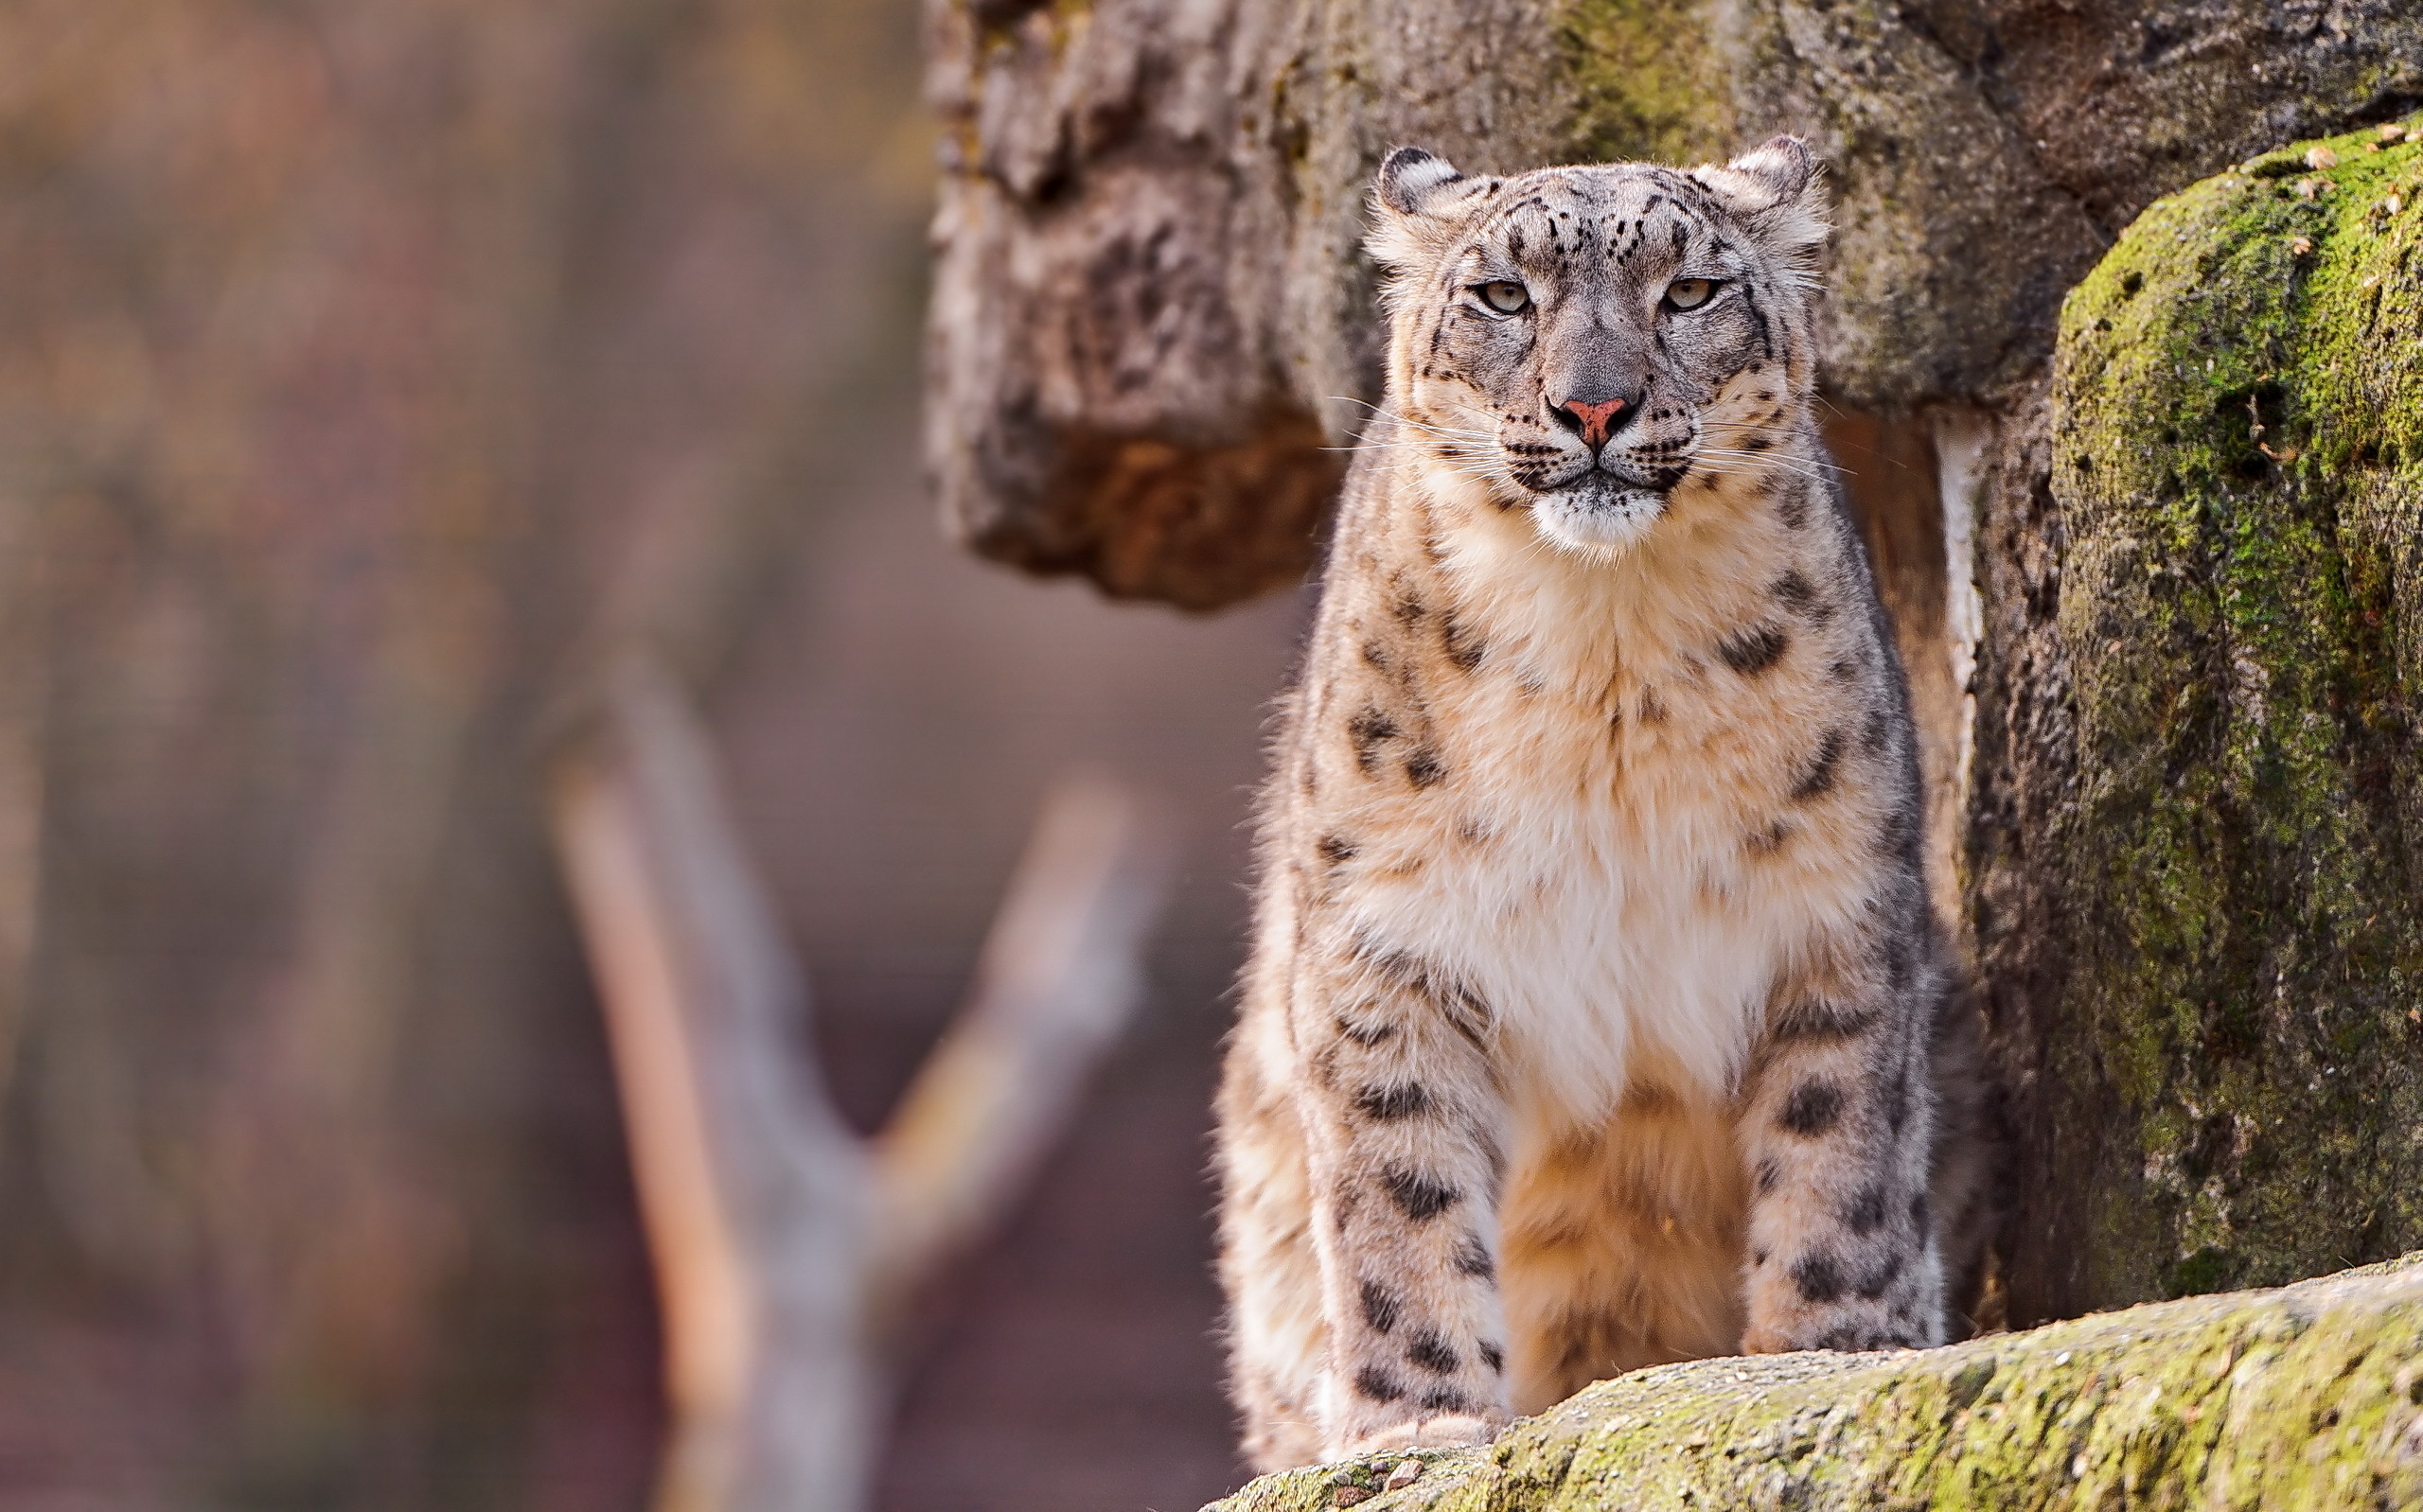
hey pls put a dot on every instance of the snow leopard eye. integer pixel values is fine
(1690, 293)
(1505, 296)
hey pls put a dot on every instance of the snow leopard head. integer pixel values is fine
(1588, 340)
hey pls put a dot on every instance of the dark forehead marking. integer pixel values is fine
(1575, 185)
(1690, 209)
(1507, 221)
(1687, 192)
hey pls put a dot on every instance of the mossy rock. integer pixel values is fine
(2238, 467)
(1646, 79)
(2303, 1398)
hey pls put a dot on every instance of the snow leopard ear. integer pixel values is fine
(1420, 202)
(1778, 192)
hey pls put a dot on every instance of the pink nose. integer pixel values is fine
(1597, 420)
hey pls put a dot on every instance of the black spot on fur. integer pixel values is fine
(1424, 768)
(1432, 1353)
(1380, 1307)
(1815, 781)
(1919, 1212)
(1818, 1276)
(1335, 849)
(1458, 1004)
(1897, 1103)
(1877, 730)
(1408, 609)
(1753, 651)
(1793, 511)
(1817, 1019)
(1365, 1035)
(1768, 1175)
(1843, 669)
(1652, 710)
(1865, 1214)
(1376, 654)
(1394, 1100)
(1378, 1384)
(1766, 336)
(1811, 1109)
(1897, 830)
(1793, 592)
(1491, 1354)
(1465, 648)
(1445, 1399)
(1769, 840)
(1421, 1197)
(1852, 1338)
(1464, 1010)
(1879, 1280)
(1368, 730)
(1472, 1258)
(1899, 952)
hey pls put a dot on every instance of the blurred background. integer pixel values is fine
(365, 365)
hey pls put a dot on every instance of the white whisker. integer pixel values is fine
(1808, 467)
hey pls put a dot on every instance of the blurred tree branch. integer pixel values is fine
(789, 1256)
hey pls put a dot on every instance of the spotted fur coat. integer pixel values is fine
(1597, 1013)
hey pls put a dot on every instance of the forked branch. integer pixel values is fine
(789, 1254)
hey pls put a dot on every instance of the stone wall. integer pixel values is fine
(2166, 731)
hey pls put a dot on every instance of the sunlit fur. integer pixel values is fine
(1596, 1014)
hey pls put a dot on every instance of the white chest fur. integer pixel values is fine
(1601, 924)
(1596, 875)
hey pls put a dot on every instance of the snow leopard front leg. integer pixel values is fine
(1837, 1131)
(1403, 1114)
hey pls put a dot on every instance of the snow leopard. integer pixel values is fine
(1597, 1013)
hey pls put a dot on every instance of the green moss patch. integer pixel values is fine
(1648, 82)
(2238, 466)
(2303, 1397)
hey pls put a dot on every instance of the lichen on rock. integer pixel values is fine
(1648, 81)
(2303, 1397)
(2237, 464)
